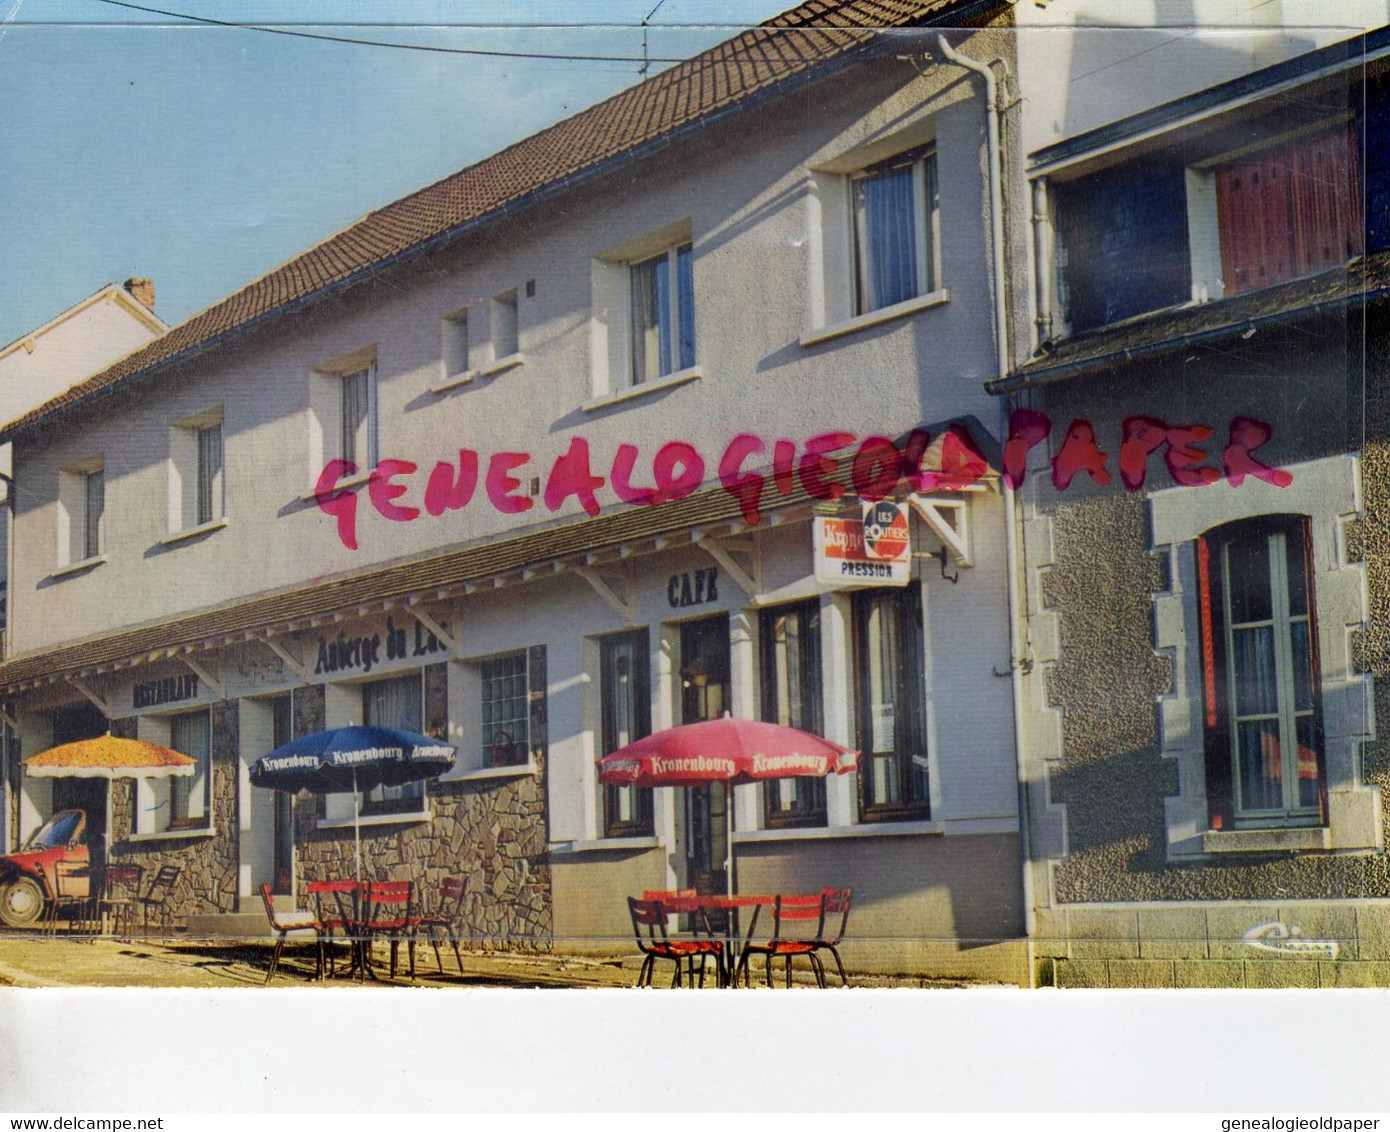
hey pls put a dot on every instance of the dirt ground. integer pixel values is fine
(30, 960)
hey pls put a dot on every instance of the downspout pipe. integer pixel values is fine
(1001, 337)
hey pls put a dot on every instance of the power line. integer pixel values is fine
(386, 43)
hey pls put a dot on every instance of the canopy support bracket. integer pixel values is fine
(955, 536)
(623, 606)
(204, 674)
(441, 634)
(87, 691)
(748, 578)
(292, 662)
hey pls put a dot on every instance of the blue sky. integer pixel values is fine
(136, 144)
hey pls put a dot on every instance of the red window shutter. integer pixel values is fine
(1215, 725)
(1326, 201)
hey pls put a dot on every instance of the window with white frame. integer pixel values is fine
(81, 512)
(896, 229)
(1260, 674)
(398, 703)
(890, 704)
(505, 710)
(358, 418)
(190, 798)
(791, 687)
(661, 314)
(197, 491)
(625, 692)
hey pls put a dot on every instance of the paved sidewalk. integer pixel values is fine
(38, 961)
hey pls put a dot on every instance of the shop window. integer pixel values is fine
(791, 696)
(1290, 210)
(889, 704)
(190, 798)
(505, 710)
(1262, 717)
(81, 512)
(625, 693)
(661, 314)
(897, 230)
(398, 702)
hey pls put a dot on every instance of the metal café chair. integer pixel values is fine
(72, 882)
(788, 909)
(119, 892)
(390, 915)
(649, 928)
(834, 902)
(156, 898)
(445, 920)
(286, 922)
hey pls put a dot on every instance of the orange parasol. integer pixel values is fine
(109, 757)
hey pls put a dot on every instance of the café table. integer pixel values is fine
(734, 939)
(347, 898)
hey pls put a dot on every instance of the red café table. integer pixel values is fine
(734, 940)
(348, 897)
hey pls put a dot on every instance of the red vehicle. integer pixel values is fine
(28, 878)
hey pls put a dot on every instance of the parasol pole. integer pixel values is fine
(356, 827)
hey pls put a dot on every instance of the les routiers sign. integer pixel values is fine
(872, 551)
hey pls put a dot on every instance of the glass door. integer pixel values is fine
(704, 675)
(282, 882)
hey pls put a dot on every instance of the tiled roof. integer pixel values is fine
(754, 63)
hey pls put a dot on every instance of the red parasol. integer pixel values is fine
(724, 750)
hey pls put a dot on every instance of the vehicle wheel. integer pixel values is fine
(21, 902)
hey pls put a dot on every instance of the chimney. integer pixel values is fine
(142, 290)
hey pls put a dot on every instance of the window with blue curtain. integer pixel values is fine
(896, 230)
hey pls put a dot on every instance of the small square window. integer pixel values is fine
(453, 344)
(897, 230)
(503, 315)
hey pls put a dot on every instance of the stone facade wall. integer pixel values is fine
(208, 865)
(1098, 578)
(492, 832)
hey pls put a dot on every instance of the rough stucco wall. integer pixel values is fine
(208, 865)
(1112, 778)
(490, 832)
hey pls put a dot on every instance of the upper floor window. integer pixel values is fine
(196, 484)
(1289, 210)
(1260, 674)
(897, 230)
(661, 314)
(358, 418)
(398, 703)
(81, 512)
(453, 344)
(791, 686)
(506, 710)
(505, 328)
(890, 703)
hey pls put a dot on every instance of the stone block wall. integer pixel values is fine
(208, 865)
(492, 832)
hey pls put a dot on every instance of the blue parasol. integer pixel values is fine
(349, 759)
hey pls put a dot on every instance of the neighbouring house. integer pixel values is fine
(1202, 424)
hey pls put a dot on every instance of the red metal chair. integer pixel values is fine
(649, 928)
(781, 946)
(390, 915)
(286, 922)
(446, 919)
(120, 891)
(72, 882)
(835, 902)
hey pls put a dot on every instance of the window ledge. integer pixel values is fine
(610, 844)
(501, 365)
(79, 567)
(482, 773)
(1266, 840)
(312, 495)
(630, 392)
(173, 834)
(406, 817)
(193, 532)
(874, 318)
(825, 832)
